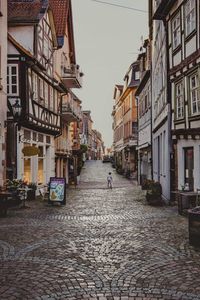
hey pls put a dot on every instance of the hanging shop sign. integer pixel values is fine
(30, 151)
(57, 190)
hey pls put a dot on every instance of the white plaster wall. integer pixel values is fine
(177, 58)
(3, 95)
(164, 175)
(180, 148)
(191, 46)
(144, 135)
(24, 35)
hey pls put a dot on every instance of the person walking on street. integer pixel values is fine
(109, 180)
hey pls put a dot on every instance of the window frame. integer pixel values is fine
(179, 97)
(188, 15)
(195, 89)
(10, 75)
(176, 29)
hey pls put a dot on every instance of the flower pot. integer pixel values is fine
(194, 226)
(154, 199)
(31, 194)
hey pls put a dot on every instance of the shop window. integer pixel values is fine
(27, 169)
(41, 165)
(40, 171)
(189, 168)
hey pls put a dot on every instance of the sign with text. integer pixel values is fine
(57, 190)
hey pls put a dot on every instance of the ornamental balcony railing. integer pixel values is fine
(70, 113)
(63, 145)
(71, 76)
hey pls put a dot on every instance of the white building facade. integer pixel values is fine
(183, 19)
(143, 95)
(32, 84)
(161, 111)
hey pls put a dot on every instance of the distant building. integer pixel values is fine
(143, 95)
(125, 123)
(161, 101)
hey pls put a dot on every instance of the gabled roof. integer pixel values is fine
(28, 11)
(118, 87)
(60, 10)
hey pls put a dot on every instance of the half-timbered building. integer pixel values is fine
(69, 76)
(32, 43)
(143, 95)
(183, 19)
(3, 91)
(161, 100)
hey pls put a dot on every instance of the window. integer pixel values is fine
(179, 100)
(194, 94)
(137, 75)
(41, 90)
(189, 168)
(190, 16)
(46, 94)
(35, 87)
(176, 31)
(12, 80)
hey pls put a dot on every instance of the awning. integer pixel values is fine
(120, 148)
(145, 145)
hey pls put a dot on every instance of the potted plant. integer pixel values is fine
(31, 194)
(154, 192)
(146, 184)
(14, 184)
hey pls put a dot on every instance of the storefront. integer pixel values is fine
(35, 168)
(144, 164)
(188, 156)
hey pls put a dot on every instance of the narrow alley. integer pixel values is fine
(104, 244)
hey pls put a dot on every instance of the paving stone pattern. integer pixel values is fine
(104, 245)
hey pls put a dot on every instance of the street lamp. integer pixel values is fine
(16, 110)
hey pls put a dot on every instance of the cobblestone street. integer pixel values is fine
(104, 244)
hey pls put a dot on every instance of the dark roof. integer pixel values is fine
(120, 87)
(163, 9)
(60, 12)
(143, 82)
(29, 11)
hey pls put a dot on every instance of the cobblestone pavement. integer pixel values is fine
(104, 244)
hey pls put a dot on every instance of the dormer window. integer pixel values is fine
(137, 75)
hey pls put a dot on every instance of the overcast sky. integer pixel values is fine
(107, 39)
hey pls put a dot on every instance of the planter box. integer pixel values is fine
(31, 195)
(194, 226)
(154, 199)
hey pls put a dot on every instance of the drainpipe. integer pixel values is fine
(169, 104)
